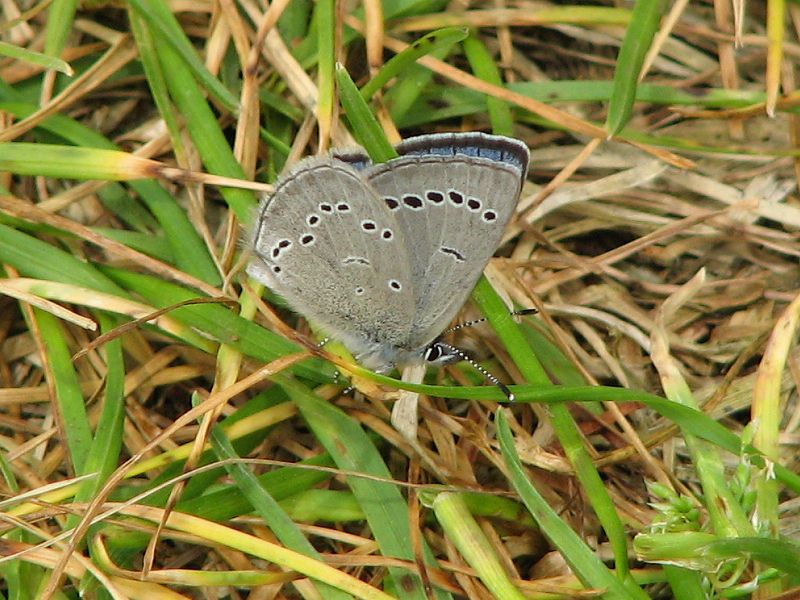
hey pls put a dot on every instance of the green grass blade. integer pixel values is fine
(708, 552)
(441, 39)
(105, 452)
(402, 96)
(204, 129)
(482, 63)
(188, 251)
(685, 583)
(563, 422)
(365, 127)
(638, 39)
(36, 58)
(463, 530)
(219, 323)
(70, 404)
(354, 452)
(584, 563)
(503, 323)
(59, 26)
(158, 14)
(35, 258)
(325, 14)
(156, 79)
(268, 509)
(69, 162)
(227, 503)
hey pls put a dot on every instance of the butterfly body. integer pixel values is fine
(382, 256)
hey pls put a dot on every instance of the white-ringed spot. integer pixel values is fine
(434, 197)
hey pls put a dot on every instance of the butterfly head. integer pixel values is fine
(439, 353)
(382, 357)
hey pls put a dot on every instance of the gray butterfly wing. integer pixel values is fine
(326, 243)
(452, 196)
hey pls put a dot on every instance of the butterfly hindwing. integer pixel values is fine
(330, 248)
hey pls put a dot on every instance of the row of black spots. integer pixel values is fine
(309, 239)
(329, 208)
(280, 247)
(473, 205)
(370, 226)
(458, 199)
(437, 198)
(313, 219)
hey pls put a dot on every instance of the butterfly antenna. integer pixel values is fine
(514, 313)
(452, 350)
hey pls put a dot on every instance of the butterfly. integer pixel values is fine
(382, 256)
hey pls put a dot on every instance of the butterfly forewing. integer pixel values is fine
(452, 197)
(326, 243)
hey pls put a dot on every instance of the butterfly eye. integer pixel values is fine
(433, 353)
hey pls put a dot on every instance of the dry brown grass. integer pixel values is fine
(664, 260)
